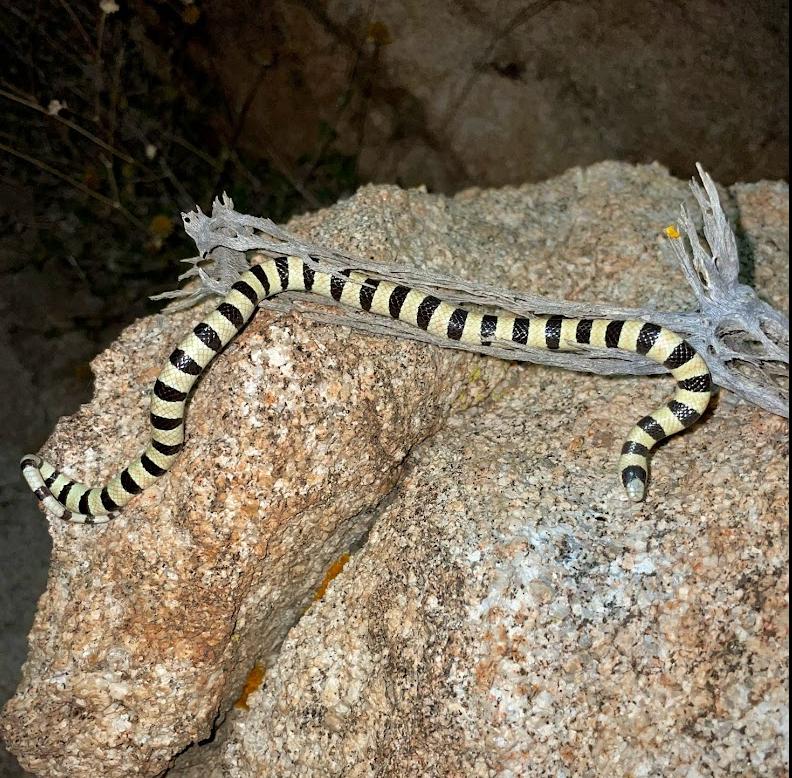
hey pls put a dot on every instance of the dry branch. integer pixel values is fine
(744, 340)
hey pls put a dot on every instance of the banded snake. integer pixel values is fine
(76, 502)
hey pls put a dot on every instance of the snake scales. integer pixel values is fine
(79, 503)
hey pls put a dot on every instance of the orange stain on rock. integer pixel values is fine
(331, 573)
(253, 682)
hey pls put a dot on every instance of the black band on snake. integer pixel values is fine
(79, 503)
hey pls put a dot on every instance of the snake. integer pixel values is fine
(268, 276)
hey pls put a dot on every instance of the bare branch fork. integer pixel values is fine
(744, 340)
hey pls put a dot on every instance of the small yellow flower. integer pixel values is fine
(161, 226)
(672, 232)
(191, 14)
(378, 34)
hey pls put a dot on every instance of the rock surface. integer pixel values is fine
(510, 613)
(510, 616)
(449, 95)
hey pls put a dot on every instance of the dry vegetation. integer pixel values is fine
(111, 129)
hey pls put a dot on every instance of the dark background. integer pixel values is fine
(117, 118)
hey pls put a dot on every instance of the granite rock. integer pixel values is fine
(512, 615)
(510, 612)
(149, 625)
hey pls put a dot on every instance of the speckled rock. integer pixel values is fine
(149, 625)
(510, 613)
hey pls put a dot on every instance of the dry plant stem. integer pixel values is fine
(80, 187)
(71, 125)
(744, 341)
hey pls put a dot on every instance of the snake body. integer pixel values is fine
(76, 502)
